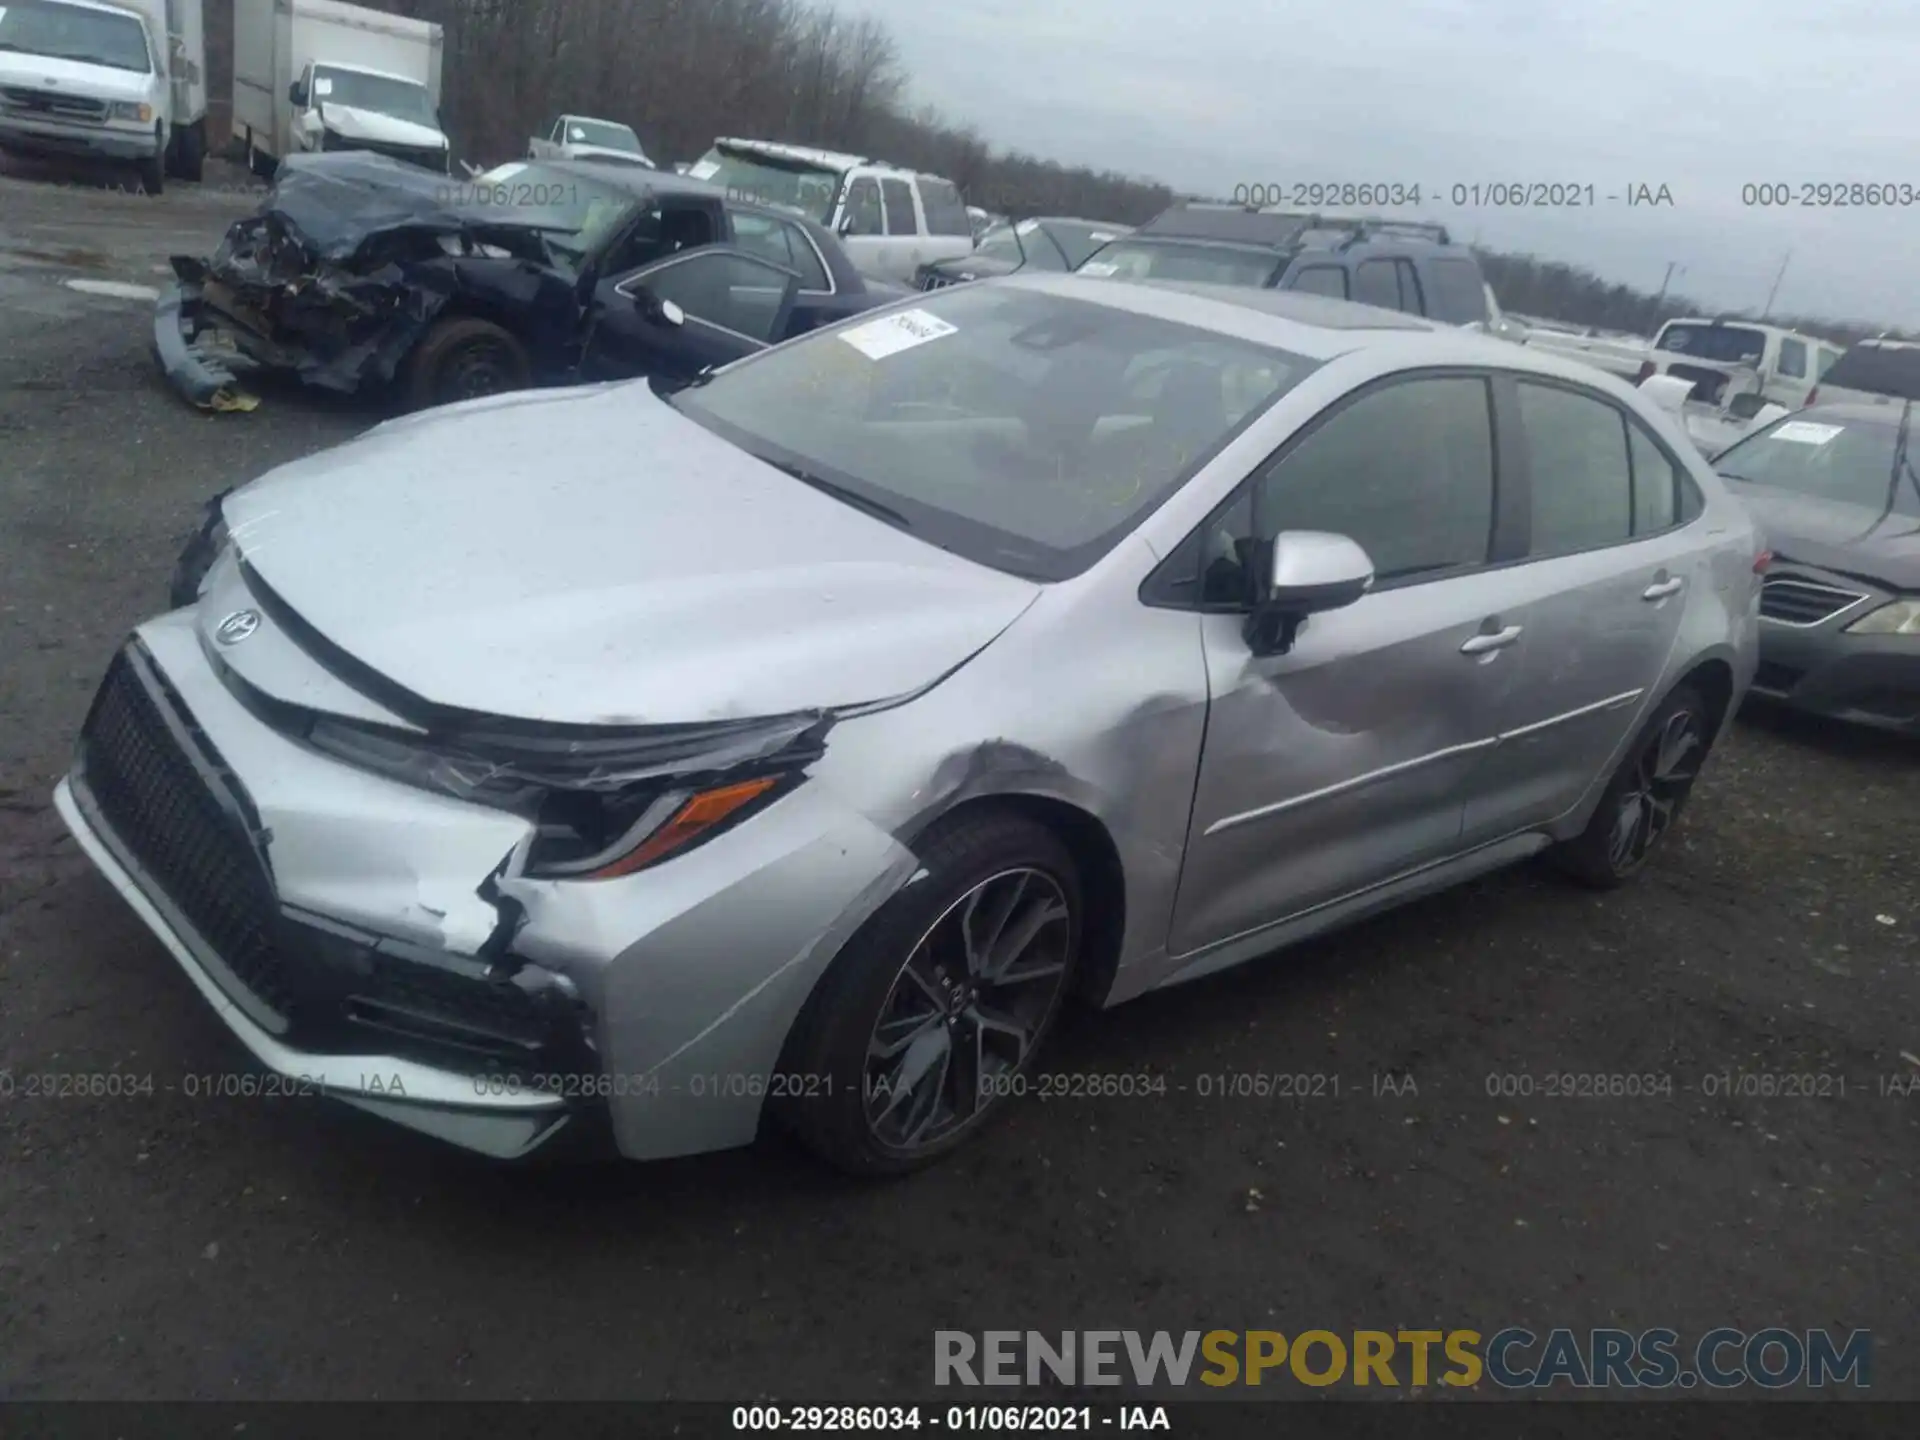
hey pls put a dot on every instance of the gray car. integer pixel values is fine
(792, 746)
(1836, 494)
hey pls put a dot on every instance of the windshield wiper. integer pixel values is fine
(841, 492)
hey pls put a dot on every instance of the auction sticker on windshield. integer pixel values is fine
(878, 339)
(1100, 268)
(1805, 432)
(705, 170)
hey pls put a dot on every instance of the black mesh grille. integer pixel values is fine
(153, 798)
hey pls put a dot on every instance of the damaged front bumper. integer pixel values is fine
(372, 940)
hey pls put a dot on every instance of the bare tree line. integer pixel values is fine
(684, 71)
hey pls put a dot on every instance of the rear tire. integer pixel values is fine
(918, 979)
(1643, 801)
(464, 358)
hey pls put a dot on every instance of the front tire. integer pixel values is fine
(153, 170)
(928, 1021)
(1644, 799)
(464, 358)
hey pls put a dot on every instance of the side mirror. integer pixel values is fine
(1308, 572)
(656, 311)
(845, 227)
(297, 95)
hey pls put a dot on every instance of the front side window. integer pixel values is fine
(782, 242)
(1374, 283)
(898, 198)
(1793, 359)
(1582, 479)
(1026, 431)
(946, 212)
(1458, 295)
(1320, 280)
(740, 293)
(83, 34)
(1411, 300)
(863, 208)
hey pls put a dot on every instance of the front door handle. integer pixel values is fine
(1661, 589)
(1497, 640)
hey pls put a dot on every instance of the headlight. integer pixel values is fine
(603, 806)
(131, 110)
(1902, 617)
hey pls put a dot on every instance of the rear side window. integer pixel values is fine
(1793, 358)
(1582, 478)
(1457, 295)
(1656, 482)
(1879, 370)
(899, 200)
(946, 212)
(1320, 280)
(1374, 283)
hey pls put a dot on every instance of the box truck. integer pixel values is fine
(121, 81)
(320, 75)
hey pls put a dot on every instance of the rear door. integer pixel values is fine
(1610, 559)
(732, 304)
(1343, 763)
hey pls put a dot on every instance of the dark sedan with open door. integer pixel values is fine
(360, 275)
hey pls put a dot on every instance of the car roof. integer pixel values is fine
(635, 178)
(1883, 409)
(1740, 322)
(781, 212)
(802, 154)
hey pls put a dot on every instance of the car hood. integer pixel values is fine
(1848, 539)
(580, 150)
(353, 123)
(591, 556)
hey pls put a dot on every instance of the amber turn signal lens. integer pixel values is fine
(689, 822)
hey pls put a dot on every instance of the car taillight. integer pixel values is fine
(1762, 561)
(1646, 372)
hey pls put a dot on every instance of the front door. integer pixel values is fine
(731, 304)
(1611, 563)
(1344, 762)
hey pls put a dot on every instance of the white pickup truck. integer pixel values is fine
(123, 81)
(582, 137)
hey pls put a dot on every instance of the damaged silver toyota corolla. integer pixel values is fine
(790, 747)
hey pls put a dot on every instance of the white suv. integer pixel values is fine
(1724, 358)
(892, 220)
(1877, 369)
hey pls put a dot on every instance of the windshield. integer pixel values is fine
(1819, 454)
(1077, 241)
(1879, 370)
(1000, 243)
(579, 214)
(1716, 344)
(1023, 430)
(68, 32)
(603, 133)
(402, 99)
(1179, 260)
(808, 189)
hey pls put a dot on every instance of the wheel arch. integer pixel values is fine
(1094, 853)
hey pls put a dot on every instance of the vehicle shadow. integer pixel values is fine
(1833, 737)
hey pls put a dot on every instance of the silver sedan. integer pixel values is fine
(791, 746)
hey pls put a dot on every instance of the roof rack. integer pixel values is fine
(1359, 227)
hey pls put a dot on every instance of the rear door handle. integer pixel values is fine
(1660, 590)
(1498, 640)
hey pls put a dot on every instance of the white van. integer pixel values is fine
(122, 81)
(891, 220)
(1724, 358)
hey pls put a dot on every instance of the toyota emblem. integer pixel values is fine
(237, 627)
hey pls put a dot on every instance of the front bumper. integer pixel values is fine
(1871, 680)
(340, 925)
(57, 138)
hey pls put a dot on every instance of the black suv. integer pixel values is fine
(1395, 264)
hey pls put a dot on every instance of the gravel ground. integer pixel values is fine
(166, 1247)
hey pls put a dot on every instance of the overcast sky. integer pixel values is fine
(1703, 97)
